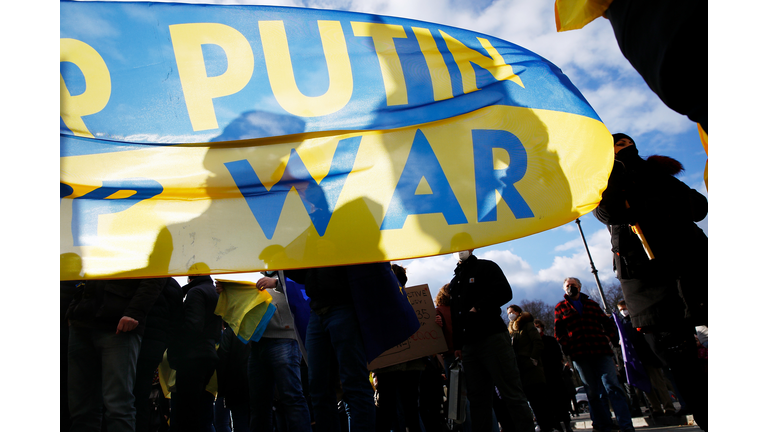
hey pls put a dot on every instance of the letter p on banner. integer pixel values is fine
(110, 198)
(199, 88)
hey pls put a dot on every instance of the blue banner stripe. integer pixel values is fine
(147, 102)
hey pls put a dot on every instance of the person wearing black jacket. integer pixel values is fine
(552, 360)
(163, 322)
(232, 378)
(193, 354)
(477, 291)
(106, 323)
(666, 295)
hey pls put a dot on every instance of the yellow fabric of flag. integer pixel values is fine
(575, 14)
(242, 306)
(705, 143)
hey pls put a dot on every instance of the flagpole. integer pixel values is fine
(594, 270)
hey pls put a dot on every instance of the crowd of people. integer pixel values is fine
(119, 332)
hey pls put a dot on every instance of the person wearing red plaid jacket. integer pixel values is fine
(585, 333)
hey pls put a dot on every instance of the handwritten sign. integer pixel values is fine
(426, 341)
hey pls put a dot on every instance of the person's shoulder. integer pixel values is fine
(486, 264)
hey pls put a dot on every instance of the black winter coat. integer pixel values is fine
(552, 357)
(325, 286)
(164, 319)
(480, 284)
(102, 303)
(673, 286)
(201, 328)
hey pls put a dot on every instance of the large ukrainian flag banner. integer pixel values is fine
(249, 138)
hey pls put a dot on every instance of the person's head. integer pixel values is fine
(539, 324)
(622, 306)
(572, 287)
(400, 273)
(463, 255)
(196, 270)
(621, 141)
(513, 311)
(443, 298)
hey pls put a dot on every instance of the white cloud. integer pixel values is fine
(575, 243)
(434, 271)
(634, 110)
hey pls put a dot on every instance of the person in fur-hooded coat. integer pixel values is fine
(665, 290)
(528, 346)
(671, 288)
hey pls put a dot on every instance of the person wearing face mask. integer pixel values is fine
(585, 333)
(480, 339)
(663, 275)
(661, 403)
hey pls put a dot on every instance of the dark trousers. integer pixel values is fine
(397, 386)
(490, 361)
(677, 351)
(150, 356)
(63, 396)
(192, 407)
(541, 406)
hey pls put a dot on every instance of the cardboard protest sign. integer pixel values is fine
(427, 340)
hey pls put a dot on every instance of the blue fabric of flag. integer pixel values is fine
(636, 375)
(385, 314)
(298, 302)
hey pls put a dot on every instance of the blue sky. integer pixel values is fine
(590, 57)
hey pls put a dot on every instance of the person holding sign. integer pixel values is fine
(478, 290)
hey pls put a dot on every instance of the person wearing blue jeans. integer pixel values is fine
(334, 342)
(585, 333)
(601, 371)
(334, 338)
(346, 302)
(276, 363)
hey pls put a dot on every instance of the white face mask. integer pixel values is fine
(461, 256)
(624, 312)
(512, 316)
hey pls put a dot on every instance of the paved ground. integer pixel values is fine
(583, 423)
